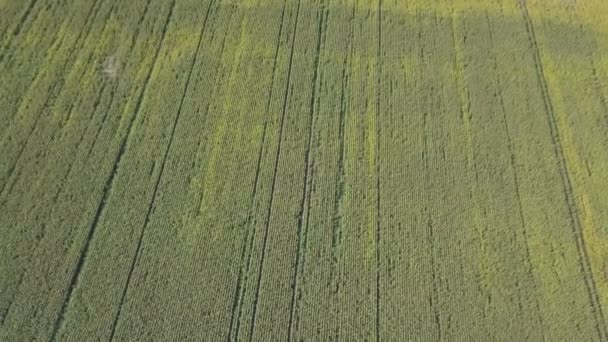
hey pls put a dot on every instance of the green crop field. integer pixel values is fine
(318, 170)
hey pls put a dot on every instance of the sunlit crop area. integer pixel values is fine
(315, 170)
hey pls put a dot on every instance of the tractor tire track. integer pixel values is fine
(524, 225)
(434, 297)
(302, 232)
(51, 98)
(600, 322)
(238, 291)
(17, 30)
(40, 235)
(340, 177)
(464, 107)
(80, 140)
(237, 305)
(336, 241)
(377, 161)
(113, 91)
(56, 45)
(274, 177)
(107, 187)
(162, 168)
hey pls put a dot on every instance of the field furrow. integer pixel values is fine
(254, 170)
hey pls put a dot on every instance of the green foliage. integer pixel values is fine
(303, 170)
